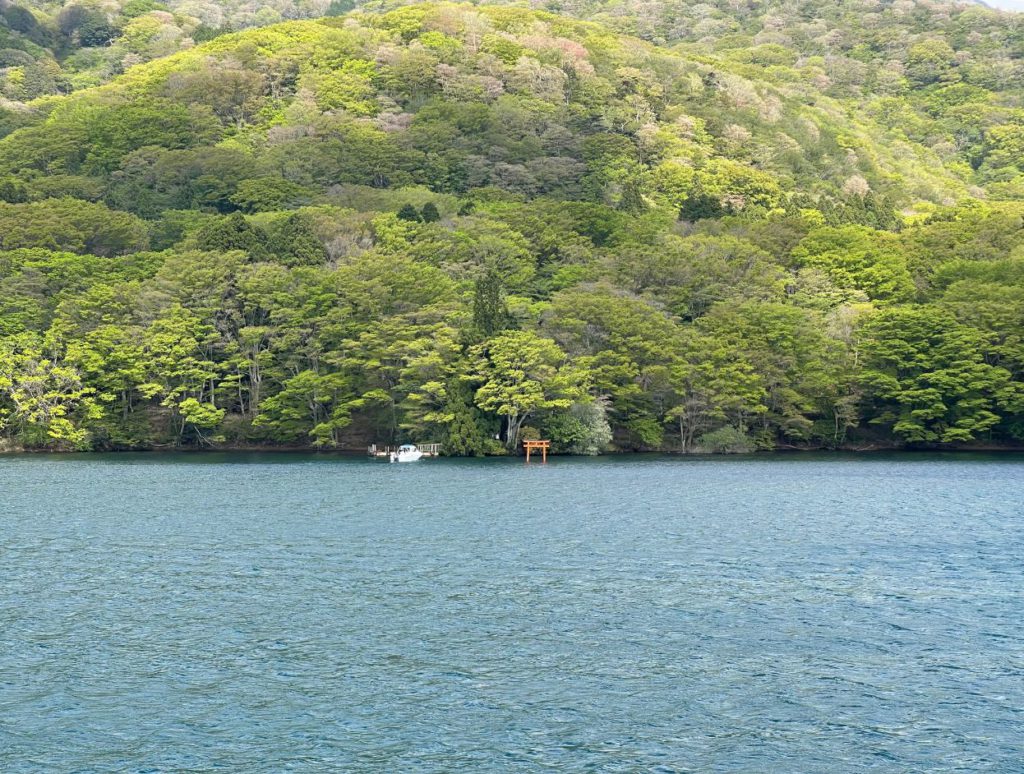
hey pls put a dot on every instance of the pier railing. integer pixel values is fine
(428, 449)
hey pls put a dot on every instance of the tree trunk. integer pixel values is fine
(512, 431)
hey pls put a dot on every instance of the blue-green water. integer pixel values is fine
(260, 613)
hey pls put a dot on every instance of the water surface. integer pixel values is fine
(311, 613)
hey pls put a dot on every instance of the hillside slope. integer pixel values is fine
(452, 223)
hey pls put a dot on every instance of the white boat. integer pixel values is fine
(406, 453)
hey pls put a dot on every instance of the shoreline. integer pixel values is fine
(353, 453)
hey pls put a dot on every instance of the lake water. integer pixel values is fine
(252, 613)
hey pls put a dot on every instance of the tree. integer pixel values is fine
(713, 385)
(178, 350)
(310, 406)
(294, 242)
(71, 225)
(522, 373)
(13, 190)
(930, 61)
(233, 232)
(584, 429)
(232, 91)
(627, 346)
(43, 401)
(429, 213)
(802, 371)
(346, 86)
(408, 212)
(490, 313)
(96, 31)
(926, 377)
(20, 19)
(857, 257)
(266, 194)
(467, 433)
(110, 360)
(699, 206)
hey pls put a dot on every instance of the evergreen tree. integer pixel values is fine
(429, 213)
(467, 433)
(700, 206)
(233, 232)
(409, 213)
(490, 314)
(294, 243)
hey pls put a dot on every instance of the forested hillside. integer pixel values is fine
(748, 228)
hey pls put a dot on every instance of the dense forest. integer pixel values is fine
(635, 225)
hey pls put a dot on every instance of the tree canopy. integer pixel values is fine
(632, 226)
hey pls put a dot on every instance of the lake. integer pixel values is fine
(290, 612)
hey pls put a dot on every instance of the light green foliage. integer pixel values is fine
(931, 60)
(347, 87)
(267, 194)
(309, 407)
(690, 275)
(713, 384)
(858, 258)
(447, 223)
(69, 224)
(800, 368)
(521, 374)
(43, 402)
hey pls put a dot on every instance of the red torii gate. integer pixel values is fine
(543, 446)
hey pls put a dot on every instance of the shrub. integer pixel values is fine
(725, 440)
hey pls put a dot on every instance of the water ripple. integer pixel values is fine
(297, 613)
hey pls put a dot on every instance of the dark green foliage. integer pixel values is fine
(409, 213)
(490, 313)
(96, 31)
(340, 7)
(86, 26)
(20, 19)
(930, 378)
(699, 206)
(468, 433)
(205, 33)
(632, 200)
(722, 245)
(429, 213)
(13, 190)
(233, 232)
(294, 243)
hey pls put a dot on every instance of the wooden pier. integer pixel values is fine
(541, 446)
(428, 449)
